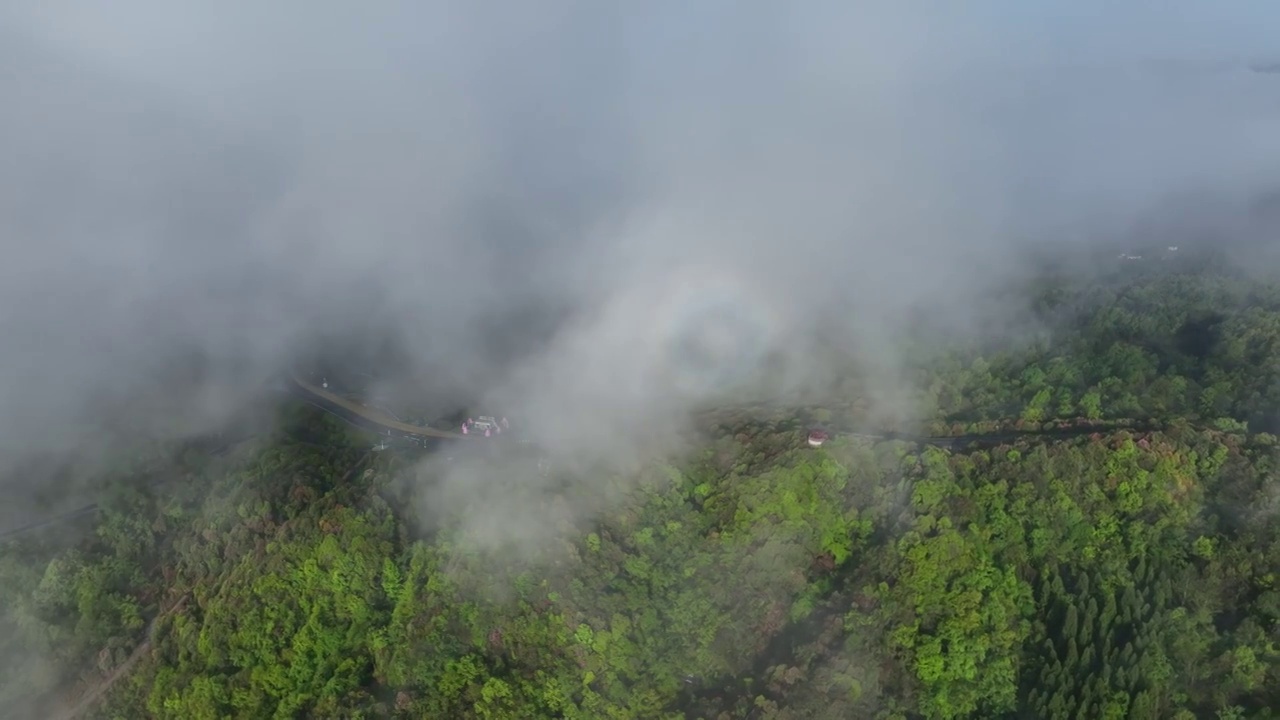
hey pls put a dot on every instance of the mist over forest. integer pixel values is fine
(1015, 265)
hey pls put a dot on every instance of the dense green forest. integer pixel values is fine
(1113, 572)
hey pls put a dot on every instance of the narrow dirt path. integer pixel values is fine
(100, 688)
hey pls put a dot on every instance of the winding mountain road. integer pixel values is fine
(366, 416)
(384, 424)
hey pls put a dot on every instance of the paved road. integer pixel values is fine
(49, 521)
(364, 415)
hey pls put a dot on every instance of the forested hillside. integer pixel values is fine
(1105, 572)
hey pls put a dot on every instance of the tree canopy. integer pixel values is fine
(1125, 568)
